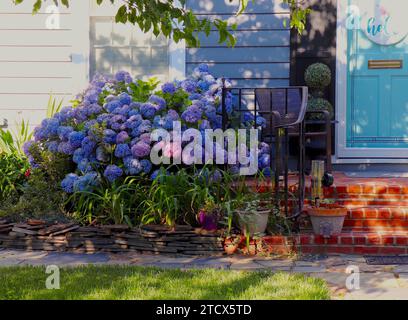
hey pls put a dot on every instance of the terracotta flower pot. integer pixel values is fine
(230, 247)
(327, 220)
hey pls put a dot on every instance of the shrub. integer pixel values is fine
(319, 104)
(14, 172)
(106, 133)
(318, 76)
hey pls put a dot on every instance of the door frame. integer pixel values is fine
(343, 153)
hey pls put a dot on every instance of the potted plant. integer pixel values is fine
(210, 215)
(327, 217)
(231, 244)
(253, 212)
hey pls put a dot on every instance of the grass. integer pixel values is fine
(124, 282)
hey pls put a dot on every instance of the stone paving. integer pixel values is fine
(376, 281)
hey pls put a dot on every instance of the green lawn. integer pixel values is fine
(117, 282)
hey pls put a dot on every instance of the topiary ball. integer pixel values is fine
(318, 75)
(319, 104)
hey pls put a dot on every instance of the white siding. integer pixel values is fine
(36, 62)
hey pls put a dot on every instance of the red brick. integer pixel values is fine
(384, 214)
(373, 239)
(401, 240)
(357, 214)
(305, 239)
(333, 240)
(318, 240)
(346, 240)
(387, 239)
(392, 250)
(338, 249)
(399, 213)
(371, 213)
(354, 189)
(394, 189)
(365, 250)
(359, 240)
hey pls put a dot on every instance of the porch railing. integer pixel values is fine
(284, 110)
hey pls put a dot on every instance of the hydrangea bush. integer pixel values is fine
(106, 133)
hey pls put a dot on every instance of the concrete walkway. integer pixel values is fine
(375, 282)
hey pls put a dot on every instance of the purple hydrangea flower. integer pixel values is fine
(122, 137)
(189, 86)
(66, 148)
(140, 149)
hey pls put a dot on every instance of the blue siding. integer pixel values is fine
(261, 56)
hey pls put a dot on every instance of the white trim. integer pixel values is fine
(81, 45)
(344, 154)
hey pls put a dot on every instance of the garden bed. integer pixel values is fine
(37, 235)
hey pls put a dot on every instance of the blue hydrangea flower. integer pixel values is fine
(248, 117)
(189, 86)
(192, 114)
(109, 136)
(261, 122)
(64, 132)
(148, 110)
(86, 182)
(66, 148)
(112, 173)
(123, 76)
(169, 88)
(264, 161)
(122, 150)
(203, 67)
(78, 155)
(146, 166)
(88, 145)
(125, 99)
(132, 166)
(52, 146)
(159, 101)
(112, 105)
(75, 138)
(68, 183)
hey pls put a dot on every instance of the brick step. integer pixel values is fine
(365, 189)
(361, 202)
(355, 243)
(367, 196)
(376, 223)
(373, 212)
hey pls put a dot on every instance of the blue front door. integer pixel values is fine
(377, 84)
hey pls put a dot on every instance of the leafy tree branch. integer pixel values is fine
(172, 19)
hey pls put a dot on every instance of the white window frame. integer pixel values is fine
(177, 51)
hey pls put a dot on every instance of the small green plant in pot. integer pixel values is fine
(253, 211)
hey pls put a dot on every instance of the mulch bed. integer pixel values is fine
(39, 235)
